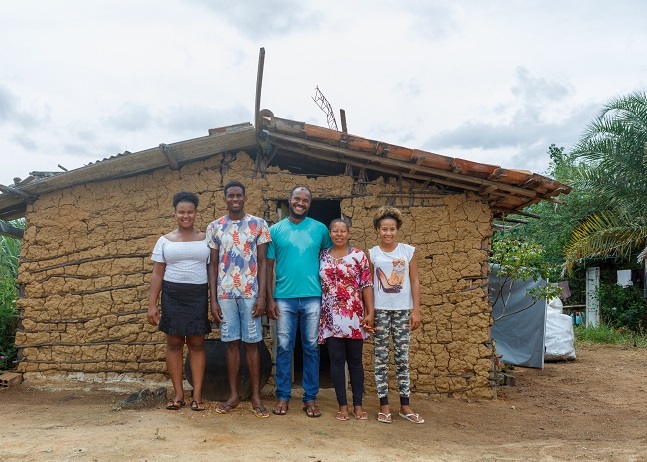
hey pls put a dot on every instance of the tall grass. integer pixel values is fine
(9, 253)
(609, 335)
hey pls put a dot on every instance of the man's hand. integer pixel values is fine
(273, 310)
(259, 307)
(368, 322)
(216, 312)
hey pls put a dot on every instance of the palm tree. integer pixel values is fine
(613, 156)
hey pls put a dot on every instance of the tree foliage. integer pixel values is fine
(9, 253)
(612, 157)
(518, 261)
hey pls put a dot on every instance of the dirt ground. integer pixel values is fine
(594, 408)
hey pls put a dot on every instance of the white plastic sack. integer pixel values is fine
(556, 304)
(559, 340)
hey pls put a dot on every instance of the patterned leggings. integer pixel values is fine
(393, 323)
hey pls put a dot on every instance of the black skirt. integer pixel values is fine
(185, 309)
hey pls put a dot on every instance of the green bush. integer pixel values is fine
(623, 307)
(8, 322)
(9, 253)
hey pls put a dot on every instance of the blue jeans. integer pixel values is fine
(305, 313)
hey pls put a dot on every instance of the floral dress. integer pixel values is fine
(342, 281)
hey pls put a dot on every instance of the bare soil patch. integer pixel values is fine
(594, 408)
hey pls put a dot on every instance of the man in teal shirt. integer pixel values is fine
(294, 250)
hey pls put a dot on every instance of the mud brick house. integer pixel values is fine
(85, 263)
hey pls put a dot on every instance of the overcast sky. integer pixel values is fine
(490, 81)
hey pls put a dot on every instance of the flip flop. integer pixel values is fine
(311, 410)
(260, 412)
(361, 416)
(195, 406)
(415, 418)
(224, 408)
(280, 408)
(342, 417)
(174, 405)
(384, 418)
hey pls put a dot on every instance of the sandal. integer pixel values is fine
(224, 408)
(361, 415)
(260, 412)
(384, 418)
(341, 416)
(195, 406)
(174, 405)
(280, 408)
(415, 418)
(311, 409)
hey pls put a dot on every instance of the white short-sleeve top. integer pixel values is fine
(391, 282)
(186, 262)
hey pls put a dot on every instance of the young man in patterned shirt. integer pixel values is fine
(237, 283)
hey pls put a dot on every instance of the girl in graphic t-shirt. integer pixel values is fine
(397, 309)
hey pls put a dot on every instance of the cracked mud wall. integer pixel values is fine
(85, 266)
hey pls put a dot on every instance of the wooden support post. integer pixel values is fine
(342, 115)
(592, 297)
(259, 86)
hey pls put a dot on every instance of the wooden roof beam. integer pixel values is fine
(403, 165)
(166, 151)
(497, 173)
(519, 212)
(514, 220)
(11, 231)
(363, 165)
(16, 192)
(417, 161)
(488, 190)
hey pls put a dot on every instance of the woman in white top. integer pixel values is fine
(180, 274)
(396, 289)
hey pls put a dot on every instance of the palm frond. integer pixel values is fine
(606, 235)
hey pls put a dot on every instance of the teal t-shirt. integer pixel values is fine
(295, 248)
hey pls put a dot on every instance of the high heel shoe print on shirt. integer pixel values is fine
(383, 283)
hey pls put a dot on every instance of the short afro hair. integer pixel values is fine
(233, 184)
(301, 186)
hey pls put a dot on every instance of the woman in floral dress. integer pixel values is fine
(346, 314)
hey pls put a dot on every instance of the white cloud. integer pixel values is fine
(494, 82)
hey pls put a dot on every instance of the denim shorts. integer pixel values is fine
(238, 322)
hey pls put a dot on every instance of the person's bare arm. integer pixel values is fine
(153, 313)
(369, 312)
(415, 319)
(272, 308)
(261, 273)
(212, 275)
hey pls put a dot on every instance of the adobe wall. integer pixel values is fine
(85, 266)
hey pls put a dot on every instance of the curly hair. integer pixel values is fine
(387, 211)
(184, 196)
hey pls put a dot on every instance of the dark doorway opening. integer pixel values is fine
(324, 211)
